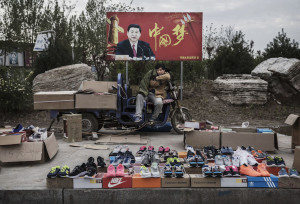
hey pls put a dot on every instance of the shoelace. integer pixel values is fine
(53, 169)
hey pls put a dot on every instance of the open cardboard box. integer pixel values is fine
(294, 121)
(18, 151)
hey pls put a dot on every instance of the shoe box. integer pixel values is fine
(249, 136)
(139, 182)
(199, 181)
(117, 182)
(60, 183)
(182, 155)
(173, 182)
(82, 182)
(263, 182)
(13, 150)
(234, 182)
(275, 170)
(288, 182)
(54, 100)
(192, 170)
(199, 139)
(294, 121)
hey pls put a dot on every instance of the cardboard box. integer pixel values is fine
(11, 139)
(199, 139)
(296, 163)
(167, 182)
(192, 170)
(97, 86)
(29, 151)
(234, 182)
(54, 100)
(139, 182)
(117, 182)
(182, 154)
(275, 170)
(263, 182)
(198, 180)
(288, 182)
(294, 121)
(82, 182)
(60, 183)
(249, 137)
(94, 101)
(72, 127)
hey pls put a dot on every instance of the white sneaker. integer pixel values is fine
(251, 160)
(145, 173)
(155, 170)
(227, 161)
(243, 160)
(219, 160)
(236, 160)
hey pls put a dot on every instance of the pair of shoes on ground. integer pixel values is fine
(276, 161)
(59, 172)
(113, 172)
(211, 171)
(144, 149)
(223, 160)
(177, 170)
(292, 173)
(88, 169)
(126, 159)
(119, 149)
(249, 171)
(226, 150)
(153, 172)
(231, 171)
(163, 150)
(149, 157)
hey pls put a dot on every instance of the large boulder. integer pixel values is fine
(283, 76)
(241, 89)
(66, 78)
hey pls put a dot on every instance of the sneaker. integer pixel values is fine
(53, 172)
(179, 170)
(279, 161)
(154, 158)
(251, 160)
(224, 150)
(145, 173)
(154, 170)
(294, 173)
(171, 161)
(130, 171)
(243, 160)
(282, 173)
(210, 155)
(111, 171)
(161, 150)
(235, 171)
(167, 149)
(270, 161)
(199, 160)
(116, 150)
(168, 172)
(174, 153)
(236, 160)
(120, 170)
(64, 171)
(263, 154)
(150, 148)
(146, 159)
(216, 171)
(249, 171)
(142, 150)
(124, 148)
(127, 162)
(100, 162)
(261, 168)
(91, 170)
(229, 150)
(227, 171)
(78, 171)
(130, 155)
(192, 161)
(118, 160)
(226, 160)
(219, 160)
(206, 170)
(138, 119)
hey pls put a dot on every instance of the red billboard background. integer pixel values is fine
(172, 36)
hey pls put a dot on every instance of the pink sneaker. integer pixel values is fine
(120, 170)
(161, 150)
(167, 149)
(150, 148)
(235, 171)
(111, 172)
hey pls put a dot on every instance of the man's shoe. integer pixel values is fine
(207, 171)
(138, 119)
(78, 171)
(179, 170)
(168, 172)
(283, 173)
(294, 173)
(53, 172)
(279, 161)
(145, 173)
(91, 170)
(155, 170)
(64, 171)
(270, 162)
(261, 168)
(100, 162)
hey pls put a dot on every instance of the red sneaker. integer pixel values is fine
(167, 149)
(150, 148)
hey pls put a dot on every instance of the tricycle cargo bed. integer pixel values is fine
(96, 101)
(54, 100)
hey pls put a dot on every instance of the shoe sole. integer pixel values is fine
(146, 176)
(282, 176)
(294, 176)
(78, 175)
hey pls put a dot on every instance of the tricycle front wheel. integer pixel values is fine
(179, 119)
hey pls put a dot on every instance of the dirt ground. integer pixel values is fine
(203, 105)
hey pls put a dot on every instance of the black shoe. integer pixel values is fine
(130, 155)
(100, 162)
(91, 170)
(146, 159)
(53, 172)
(78, 170)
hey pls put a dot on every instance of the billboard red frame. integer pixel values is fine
(165, 36)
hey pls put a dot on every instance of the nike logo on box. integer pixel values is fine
(115, 182)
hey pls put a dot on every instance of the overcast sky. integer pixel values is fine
(259, 20)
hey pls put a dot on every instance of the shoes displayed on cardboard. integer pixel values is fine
(179, 170)
(249, 171)
(206, 170)
(111, 171)
(100, 162)
(154, 170)
(279, 161)
(64, 171)
(234, 171)
(282, 173)
(270, 161)
(168, 170)
(53, 172)
(261, 168)
(144, 171)
(120, 170)
(78, 171)
(294, 173)
(227, 172)
(236, 160)
(216, 171)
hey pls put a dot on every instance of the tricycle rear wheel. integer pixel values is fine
(89, 123)
(178, 120)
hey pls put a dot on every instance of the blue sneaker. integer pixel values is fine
(138, 119)
(283, 173)
(294, 173)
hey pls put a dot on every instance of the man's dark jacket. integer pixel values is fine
(143, 49)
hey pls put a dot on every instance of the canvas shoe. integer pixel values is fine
(251, 160)
(154, 170)
(120, 170)
(235, 171)
(279, 161)
(219, 160)
(144, 171)
(53, 172)
(282, 173)
(261, 168)
(78, 171)
(294, 173)
(226, 160)
(179, 170)
(64, 171)
(270, 161)
(236, 160)
(111, 171)
(249, 171)
(227, 172)
(216, 171)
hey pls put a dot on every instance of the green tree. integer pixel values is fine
(282, 46)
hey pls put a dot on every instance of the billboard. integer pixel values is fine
(42, 42)
(154, 36)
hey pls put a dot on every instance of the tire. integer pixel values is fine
(100, 125)
(177, 120)
(89, 123)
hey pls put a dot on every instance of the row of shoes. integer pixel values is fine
(144, 149)
(275, 161)
(152, 172)
(113, 171)
(177, 170)
(293, 173)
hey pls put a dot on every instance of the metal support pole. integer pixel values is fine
(181, 80)
(127, 82)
